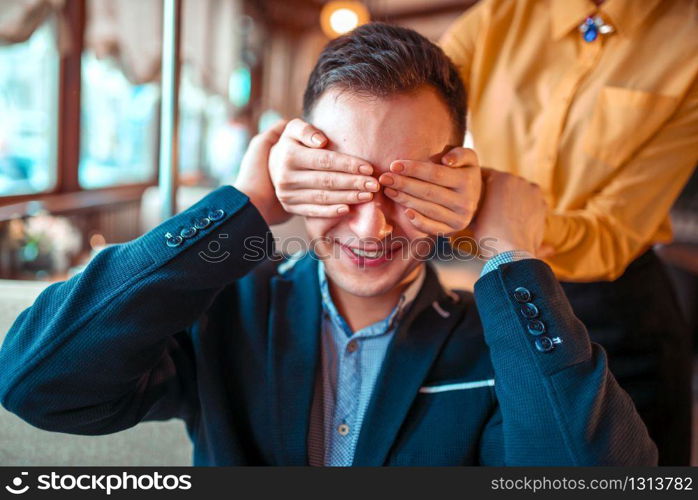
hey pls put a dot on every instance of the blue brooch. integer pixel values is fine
(592, 26)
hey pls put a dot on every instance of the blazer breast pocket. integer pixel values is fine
(622, 120)
(445, 423)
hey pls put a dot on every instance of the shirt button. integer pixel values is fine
(343, 429)
(522, 294)
(352, 346)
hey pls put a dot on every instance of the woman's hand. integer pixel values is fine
(512, 214)
(439, 198)
(254, 179)
(315, 182)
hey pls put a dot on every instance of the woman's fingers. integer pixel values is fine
(305, 133)
(324, 197)
(300, 157)
(434, 211)
(460, 157)
(308, 179)
(426, 171)
(317, 182)
(443, 191)
(276, 130)
(423, 190)
(310, 210)
(437, 173)
(314, 181)
(425, 224)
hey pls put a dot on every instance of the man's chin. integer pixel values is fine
(363, 289)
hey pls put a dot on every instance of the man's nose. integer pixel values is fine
(368, 220)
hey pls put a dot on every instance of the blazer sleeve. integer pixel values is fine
(558, 404)
(112, 346)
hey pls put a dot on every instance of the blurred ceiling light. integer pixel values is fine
(337, 18)
(343, 20)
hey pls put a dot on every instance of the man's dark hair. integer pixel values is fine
(381, 60)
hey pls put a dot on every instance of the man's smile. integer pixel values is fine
(370, 256)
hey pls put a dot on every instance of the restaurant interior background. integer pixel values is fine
(80, 124)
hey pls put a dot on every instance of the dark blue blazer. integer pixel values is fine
(151, 331)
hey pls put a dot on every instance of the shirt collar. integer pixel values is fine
(406, 299)
(624, 15)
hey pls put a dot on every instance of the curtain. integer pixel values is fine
(20, 18)
(131, 32)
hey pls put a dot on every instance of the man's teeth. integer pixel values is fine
(365, 253)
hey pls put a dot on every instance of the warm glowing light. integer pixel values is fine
(343, 20)
(338, 18)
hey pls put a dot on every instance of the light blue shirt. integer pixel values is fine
(350, 365)
(351, 362)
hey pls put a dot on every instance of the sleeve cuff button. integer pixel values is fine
(216, 215)
(529, 310)
(174, 240)
(202, 223)
(522, 295)
(188, 232)
(536, 327)
(544, 344)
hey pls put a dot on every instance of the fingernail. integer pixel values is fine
(410, 214)
(390, 192)
(397, 167)
(366, 170)
(449, 160)
(387, 180)
(365, 196)
(316, 139)
(342, 210)
(371, 185)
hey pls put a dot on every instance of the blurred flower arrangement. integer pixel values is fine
(45, 244)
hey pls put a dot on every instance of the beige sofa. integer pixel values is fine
(151, 443)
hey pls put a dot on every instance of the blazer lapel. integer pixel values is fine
(294, 334)
(412, 352)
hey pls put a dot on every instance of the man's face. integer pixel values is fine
(374, 248)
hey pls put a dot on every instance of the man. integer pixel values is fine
(563, 94)
(359, 359)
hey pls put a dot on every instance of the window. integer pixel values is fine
(212, 138)
(29, 112)
(119, 126)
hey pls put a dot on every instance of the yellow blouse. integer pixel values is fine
(608, 129)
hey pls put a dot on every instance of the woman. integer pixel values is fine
(597, 102)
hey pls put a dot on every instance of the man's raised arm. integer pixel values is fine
(110, 347)
(558, 404)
